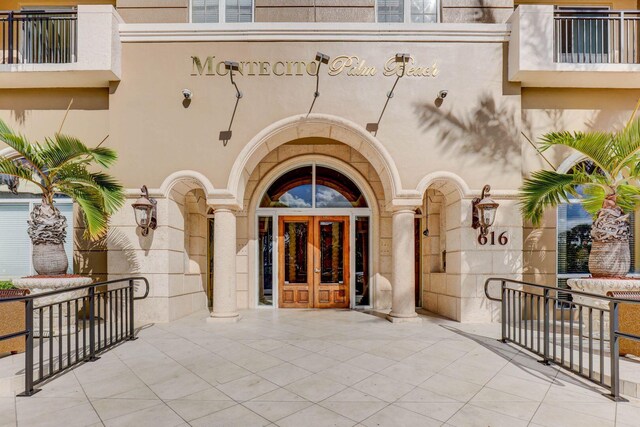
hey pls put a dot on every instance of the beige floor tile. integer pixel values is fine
(440, 411)
(456, 389)
(521, 410)
(409, 374)
(235, 416)
(190, 410)
(371, 362)
(314, 362)
(112, 408)
(315, 416)
(274, 411)
(473, 416)
(315, 388)
(247, 388)
(549, 415)
(395, 416)
(383, 388)
(7, 411)
(284, 374)
(356, 411)
(346, 374)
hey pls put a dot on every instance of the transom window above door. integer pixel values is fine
(313, 186)
(416, 11)
(214, 11)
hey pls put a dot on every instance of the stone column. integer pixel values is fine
(224, 266)
(403, 306)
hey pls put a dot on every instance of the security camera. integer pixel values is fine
(186, 93)
(443, 94)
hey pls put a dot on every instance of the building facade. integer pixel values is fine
(285, 182)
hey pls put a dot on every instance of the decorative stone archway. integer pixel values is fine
(314, 125)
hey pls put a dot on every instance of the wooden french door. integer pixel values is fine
(313, 265)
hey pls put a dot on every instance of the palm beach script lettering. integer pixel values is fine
(347, 65)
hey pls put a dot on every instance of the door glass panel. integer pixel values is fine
(334, 190)
(296, 236)
(362, 260)
(331, 252)
(291, 190)
(265, 245)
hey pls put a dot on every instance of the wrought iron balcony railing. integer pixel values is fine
(596, 36)
(38, 37)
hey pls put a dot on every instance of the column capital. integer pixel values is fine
(234, 209)
(404, 204)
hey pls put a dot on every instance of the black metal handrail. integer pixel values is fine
(106, 316)
(551, 340)
(38, 37)
(596, 35)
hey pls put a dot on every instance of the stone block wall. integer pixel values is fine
(172, 257)
(455, 288)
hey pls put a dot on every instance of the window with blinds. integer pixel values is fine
(239, 11)
(390, 10)
(205, 11)
(15, 245)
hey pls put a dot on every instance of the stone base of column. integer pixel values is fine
(393, 318)
(223, 318)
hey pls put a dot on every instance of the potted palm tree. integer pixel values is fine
(609, 191)
(62, 165)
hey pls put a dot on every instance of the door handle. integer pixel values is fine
(317, 270)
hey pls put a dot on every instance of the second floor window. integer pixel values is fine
(214, 11)
(422, 11)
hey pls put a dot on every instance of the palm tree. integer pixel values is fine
(62, 165)
(609, 191)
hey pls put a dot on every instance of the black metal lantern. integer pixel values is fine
(145, 212)
(484, 211)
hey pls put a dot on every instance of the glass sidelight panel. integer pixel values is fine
(296, 237)
(332, 252)
(265, 245)
(362, 261)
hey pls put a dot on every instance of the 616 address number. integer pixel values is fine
(502, 239)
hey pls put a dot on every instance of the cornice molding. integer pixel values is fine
(161, 33)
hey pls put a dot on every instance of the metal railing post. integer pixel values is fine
(10, 22)
(92, 324)
(545, 347)
(28, 355)
(623, 56)
(131, 314)
(503, 313)
(614, 348)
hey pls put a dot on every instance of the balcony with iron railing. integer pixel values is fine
(574, 47)
(36, 45)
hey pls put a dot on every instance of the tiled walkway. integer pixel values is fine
(316, 368)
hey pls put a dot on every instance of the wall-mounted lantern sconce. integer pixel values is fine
(484, 211)
(402, 58)
(231, 66)
(145, 212)
(322, 59)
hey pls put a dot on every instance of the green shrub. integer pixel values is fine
(6, 285)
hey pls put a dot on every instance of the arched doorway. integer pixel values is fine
(314, 233)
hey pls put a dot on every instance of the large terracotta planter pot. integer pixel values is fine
(50, 259)
(609, 259)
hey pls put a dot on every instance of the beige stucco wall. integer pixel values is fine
(176, 11)
(472, 134)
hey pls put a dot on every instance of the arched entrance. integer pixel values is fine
(314, 226)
